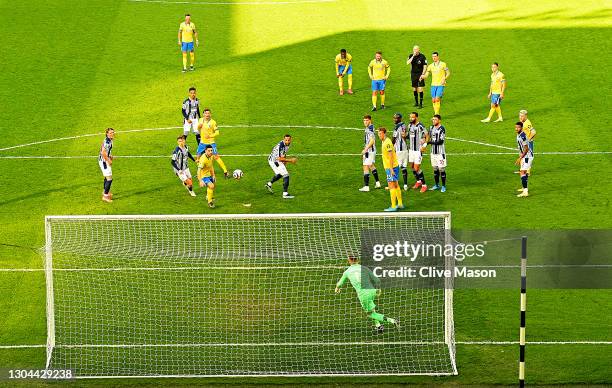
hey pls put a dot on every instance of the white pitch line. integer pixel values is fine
(481, 143)
(234, 3)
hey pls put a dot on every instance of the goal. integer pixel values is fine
(234, 295)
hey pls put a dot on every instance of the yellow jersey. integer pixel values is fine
(528, 129)
(378, 69)
(497, 79)
(187, 31)
(209, 131)
(343, 61)
(438, 72)
(389, 160)
(205, 166)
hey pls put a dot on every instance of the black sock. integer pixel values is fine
(524, 179)
(286, 183)
(443, 177)
(375, 173)
(421, 176)
(421, 98)
(190, 188)
(416, 97)
(107, 185)
(437, 176)
(416, 175)
(198, 137)
(405, 175)
(366, 179)
(275, 178)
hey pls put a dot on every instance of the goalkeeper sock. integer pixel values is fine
(222, 165)
(198, 138)
(524, 179)
(286, 184)
(375, 173)
(350, 81)
(184, 60)
(393, 197)
(416, 97)
(374, 100)
(192, 56)
(398, 197)
(366, 179)
(382, 99)
(491, 111)
(443, 174)
(275, 178)
(498, 110)
(341, 83)
(437, 176)
(420, 98)
(405, 175)
(209, 194)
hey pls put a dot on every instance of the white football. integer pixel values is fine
(237, 174)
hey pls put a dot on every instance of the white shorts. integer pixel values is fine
(183, 174)
(193, 127)
(402, 158)
(105, 167)
(438, 160)
(415, 157)
(369, 158)
(526, 163)
(279, 168)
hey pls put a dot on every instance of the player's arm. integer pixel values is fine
(190, 156)
(370, 70)
(184, 109)
(389, 152)
(525, 150)
(285, 159)
(348, 63)
(107, 158)
(173, 160)
(368, 146)
(337, 68)
(180, 36)
(410, 58)
(341, 282)
(503, 87)
(195, 35)
(388, 68)
(215, 131)
(446, 75)
(424, 140)
(425, 73)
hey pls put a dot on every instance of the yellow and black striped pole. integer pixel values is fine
(523, 309)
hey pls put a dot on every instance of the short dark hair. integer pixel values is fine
(367, 117)
(496, 64)
(438, 117)
(415, 113)
(398, 115)
(435, 53)
(109, 129)
(206, 110)
(519, 123)
(353, 258)
(207, 147)
(379, 52)
(181, 137)
(287, 135)
(187, 14)
(343, 50)
(382, 129)
(192, 88)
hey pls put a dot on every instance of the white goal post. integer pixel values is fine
(235, 295)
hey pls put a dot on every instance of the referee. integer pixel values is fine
(419, 63)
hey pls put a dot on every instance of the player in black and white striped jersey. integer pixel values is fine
(105, 160)
(418, 136)
(277, 160)
(179, 161)
(369, 154)
(401, 147)
(191, 115)
(437, 135)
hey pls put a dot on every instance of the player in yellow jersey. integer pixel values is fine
(439, 74)
(206, 175)
(529, 131)
(496, 93)
(209, 131)
(186, 34)
(391, 166)
(344, 67)
(379, 71)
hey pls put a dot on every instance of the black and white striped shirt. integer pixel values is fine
(180, 158)
(437, 136)
(521, 142)
(279, 151)
(416, 134)
(369, 136)
(107, 145)
(191, 109)
(398, 137)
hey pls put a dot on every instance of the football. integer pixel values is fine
(237, 174)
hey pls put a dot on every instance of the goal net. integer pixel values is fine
(234, 295)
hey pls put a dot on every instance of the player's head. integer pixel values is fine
(207, 113)
(287, 139)
(382, 133)
(192, 92)
(352, 259)
(367, 120)
(518, 127)
(397, 118)
(208, 151)
(181, 140)
(435, 56)
(343, 53)
(436, 119)
(110, 133)
(414, 117)
(187, 18)
(378, 55)
(494, 67)
(416, 50)
(523, 115)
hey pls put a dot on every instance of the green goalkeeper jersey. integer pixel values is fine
(361, 278)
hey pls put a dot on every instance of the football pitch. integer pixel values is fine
(265, 68)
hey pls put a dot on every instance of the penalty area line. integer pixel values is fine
(283, 2)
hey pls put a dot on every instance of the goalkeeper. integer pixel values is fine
(366, 285)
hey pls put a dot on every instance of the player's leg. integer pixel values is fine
(402, 159)
(366, 173)
(420, 90)
(374, 99)
(187, 128)
(525, 166)
(192, 56)
(219, 160)
(498, 108)
(436, 172)
(187, 181)
(184, 51)
(414, 80)
(277, 175)
(491, 111)
(107, 173)
(286, 194)
(196, 131)
(443, 178)
(374, 172)
(382, 93)
(210, 192)
(349, 73)
(340, 80)
(420, 177)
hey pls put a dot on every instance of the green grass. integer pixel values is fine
(273, 65)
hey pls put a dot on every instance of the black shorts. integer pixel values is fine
(416, 83)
